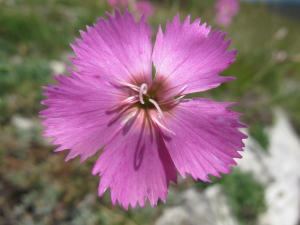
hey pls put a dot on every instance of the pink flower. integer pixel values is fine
(144, 8)
(226, 10)
(114, 3)
(145, 126)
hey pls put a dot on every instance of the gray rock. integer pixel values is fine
(283, 195)
(22, 122)
(278, 170)
(57, 67)
(29, 130)
(254, 161)
(207, 208)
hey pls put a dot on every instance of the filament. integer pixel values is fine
(159, 124)
(160, 113)
(172, 97)
(142, 90)
(118, 114)
(127, 101)
(133, 87)
(172, 101)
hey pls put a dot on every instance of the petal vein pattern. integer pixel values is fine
(145, 159)
(78, 115)
(118, 48)
(207, 137)
(188, 54)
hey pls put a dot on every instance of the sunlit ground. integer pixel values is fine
(38, 187)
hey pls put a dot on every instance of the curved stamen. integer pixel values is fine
(143, 90)
(160, 113)
(131, 86)
(127, 101)
(131, 100)
(118, 114)
(163, 101)
(159, 124)
(181, 90)
(172, 101)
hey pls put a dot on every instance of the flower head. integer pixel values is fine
(226, 10)
(146, 127)
(144, 8)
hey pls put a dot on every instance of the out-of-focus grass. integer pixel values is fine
(37, 187)
(20, 86)
(245, 195)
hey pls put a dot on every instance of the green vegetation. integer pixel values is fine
(245, 195)
(38, 187)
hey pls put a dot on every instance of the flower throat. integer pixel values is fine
(147, 101)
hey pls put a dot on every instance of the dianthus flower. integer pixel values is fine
(144, 8)
(146, 128)
(226, 10)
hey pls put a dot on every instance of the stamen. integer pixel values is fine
(172, 101)
(159, 124)
(118, 114)
(181, 90)
(127, 101)
(172, 97)
(143, 90)
(133, 87)
(160, 113)
(125, 104)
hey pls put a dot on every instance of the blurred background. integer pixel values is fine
(38, 187)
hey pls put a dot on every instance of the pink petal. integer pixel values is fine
(118, 48)
(207, 137)
(187, 54)
(77, 116)
(136, 164)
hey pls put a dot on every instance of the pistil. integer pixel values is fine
(143, 91)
